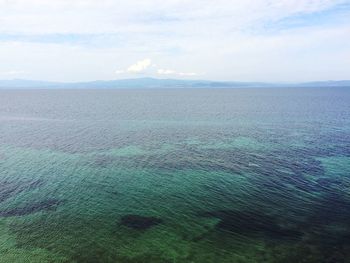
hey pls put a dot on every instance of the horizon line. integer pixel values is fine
(177, 79)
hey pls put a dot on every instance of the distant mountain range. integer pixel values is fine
(160, 83)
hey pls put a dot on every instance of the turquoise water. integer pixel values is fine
(231, 175)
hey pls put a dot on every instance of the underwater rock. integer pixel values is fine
(326, 182)
(102, 161)
(333, 208)
(140, 222)
(7, 190)
(10, 189)
(250, 223)
(46, 205)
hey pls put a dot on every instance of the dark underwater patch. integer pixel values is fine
(140, 222)
(46, 205)
(11, 189)
(335, 207)
(327, 182)
(102, 161)
(251, 223)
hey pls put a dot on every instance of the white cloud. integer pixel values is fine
(11, 72)
(139, 66)
(165, 72)
(119, 71)
(228, 39)
(173, 72)
(133, 16)
(142, 65)
(187, 74)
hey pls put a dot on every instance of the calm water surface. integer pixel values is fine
(231, 175)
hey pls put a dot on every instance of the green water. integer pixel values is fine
(175, 176)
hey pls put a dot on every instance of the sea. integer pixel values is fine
(175, 175)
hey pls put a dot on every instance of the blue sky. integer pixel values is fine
(243, 40)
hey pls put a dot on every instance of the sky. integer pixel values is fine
(236, 40)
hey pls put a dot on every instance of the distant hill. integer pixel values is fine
(331, 83)
(160, 83)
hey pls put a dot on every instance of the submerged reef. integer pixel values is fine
(140, 222)
(251, 223)
(45, 205)
(11, 189)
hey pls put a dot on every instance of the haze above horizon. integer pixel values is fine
(254, 40)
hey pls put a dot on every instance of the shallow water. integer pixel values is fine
(231, 175)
